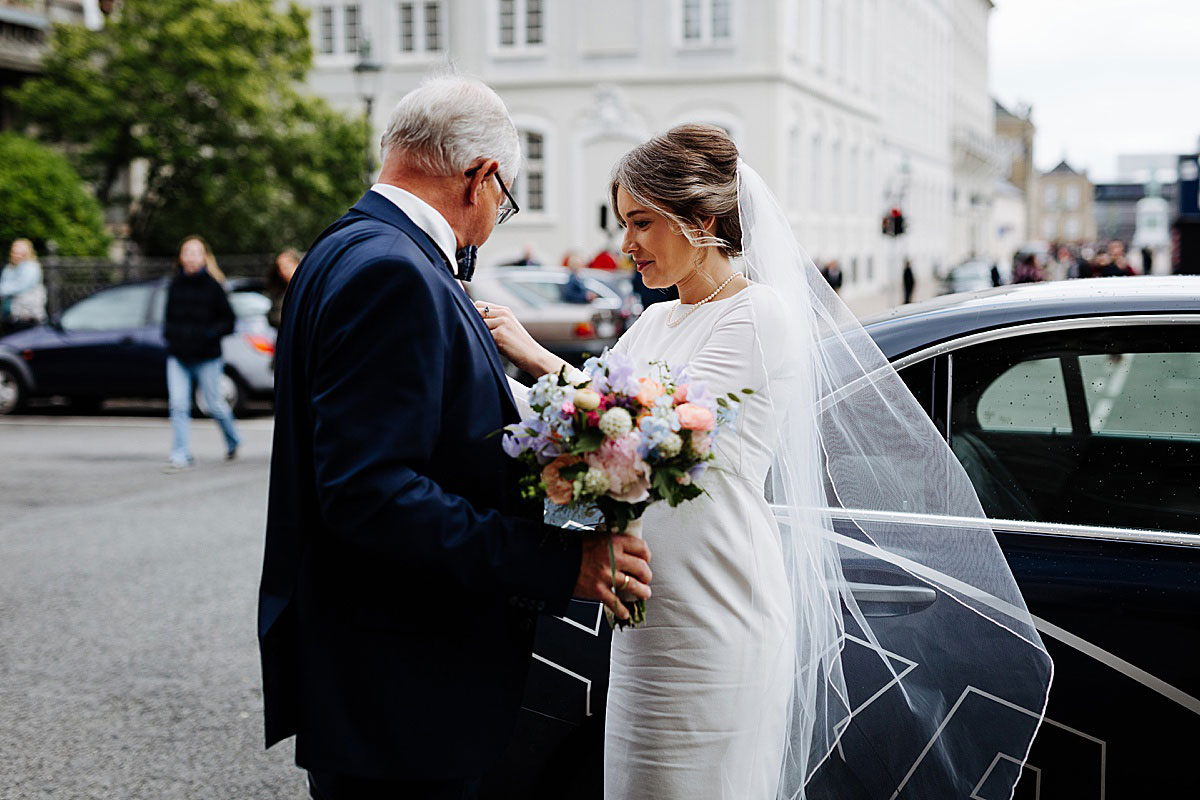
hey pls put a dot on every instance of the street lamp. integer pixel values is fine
(366, 81)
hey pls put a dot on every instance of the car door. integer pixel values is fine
(103, 347)
(1082, 439)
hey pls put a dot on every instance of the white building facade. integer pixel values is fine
(844, 106)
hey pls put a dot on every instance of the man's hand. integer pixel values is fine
(632, 558)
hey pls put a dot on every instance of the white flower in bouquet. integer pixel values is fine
(615, 423)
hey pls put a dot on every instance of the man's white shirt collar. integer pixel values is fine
(425, 217)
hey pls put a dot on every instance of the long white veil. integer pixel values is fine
(918, 670)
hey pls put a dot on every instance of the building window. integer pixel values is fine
(1050, 229)
(706, 22)
(1050, 196)
(531, 188)
(816, 204)
(407, 28)
(325, 30)
(1072, 198)
(1073, 228)
(352, 33)
(521, 23)
(421, 27)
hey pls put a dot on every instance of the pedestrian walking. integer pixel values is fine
(22, 293)
(198, 316)
(278, 277)
(910, 281)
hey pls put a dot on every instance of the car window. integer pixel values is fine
(1143, 394)
(249, 304)
(1092, 426)
(528, 292)
(545, 290)
(1029, 396)
(111, 309)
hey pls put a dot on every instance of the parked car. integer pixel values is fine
(110, 345)
(1075, 409)
(971, 276)
(571, 331)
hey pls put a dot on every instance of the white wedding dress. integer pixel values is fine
(697, 699)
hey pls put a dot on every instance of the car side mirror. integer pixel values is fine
(56, 323)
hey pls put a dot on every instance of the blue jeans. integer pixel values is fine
(180, 377)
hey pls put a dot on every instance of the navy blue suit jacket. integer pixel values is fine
(401, 577)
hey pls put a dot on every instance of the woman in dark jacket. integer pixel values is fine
(198, 316)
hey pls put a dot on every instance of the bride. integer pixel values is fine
(833, 618)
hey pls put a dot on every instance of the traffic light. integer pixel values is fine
(893, 223)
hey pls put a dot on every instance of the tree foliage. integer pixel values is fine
(43, 199)
(206, 93)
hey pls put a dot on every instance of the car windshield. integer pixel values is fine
(111, 309)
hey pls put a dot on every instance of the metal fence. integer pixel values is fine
(71, 279)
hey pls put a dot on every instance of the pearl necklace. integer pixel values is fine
(672, 323)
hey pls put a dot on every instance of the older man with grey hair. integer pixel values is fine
(403, 574)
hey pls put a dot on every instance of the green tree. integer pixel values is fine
(42, 198)
(206, 92)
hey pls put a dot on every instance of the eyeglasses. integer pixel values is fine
(508, 206)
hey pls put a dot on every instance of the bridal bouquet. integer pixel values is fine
(604, 440)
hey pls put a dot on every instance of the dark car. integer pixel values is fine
(1075, 409)
(110, 345)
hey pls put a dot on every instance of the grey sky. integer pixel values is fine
(1104, 76)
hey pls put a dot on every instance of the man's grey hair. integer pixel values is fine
(450, 122)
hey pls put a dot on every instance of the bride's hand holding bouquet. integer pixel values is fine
(605, 440)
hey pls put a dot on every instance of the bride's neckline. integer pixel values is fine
(749, 284)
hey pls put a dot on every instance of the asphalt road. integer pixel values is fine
(128, 659)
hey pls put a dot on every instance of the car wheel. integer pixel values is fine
(12, 393)
(230, 388)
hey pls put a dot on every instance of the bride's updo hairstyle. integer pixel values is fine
(688, 175)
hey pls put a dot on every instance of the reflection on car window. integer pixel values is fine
(1151, 394)
(1028, 397)
(111, 309)
(1093, 426)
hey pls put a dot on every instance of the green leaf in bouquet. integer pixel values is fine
(573, 472)
(722, 402)
(747, 391)
(587, 441)
(734, 397)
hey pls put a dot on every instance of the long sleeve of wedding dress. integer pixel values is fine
(698, 695)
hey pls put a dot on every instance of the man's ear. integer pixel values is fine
(484, 172)
(709, 224)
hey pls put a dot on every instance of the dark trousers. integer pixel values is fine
(332, 786)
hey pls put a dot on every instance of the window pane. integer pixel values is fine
(533, 22)
(691, 20)
(508, 24)
(433, 27)
(1149, 394)
(536, 193)
(533, 146)
(112, 309)
(1028, 397)
(721, 28)
(352, 32)
(325, 29)
(406, 28)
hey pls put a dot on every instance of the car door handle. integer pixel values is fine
(886, 600)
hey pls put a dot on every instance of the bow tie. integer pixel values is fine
(466, 262)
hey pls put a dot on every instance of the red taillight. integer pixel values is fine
(584, 330)
(27, 355)
(260, 343)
